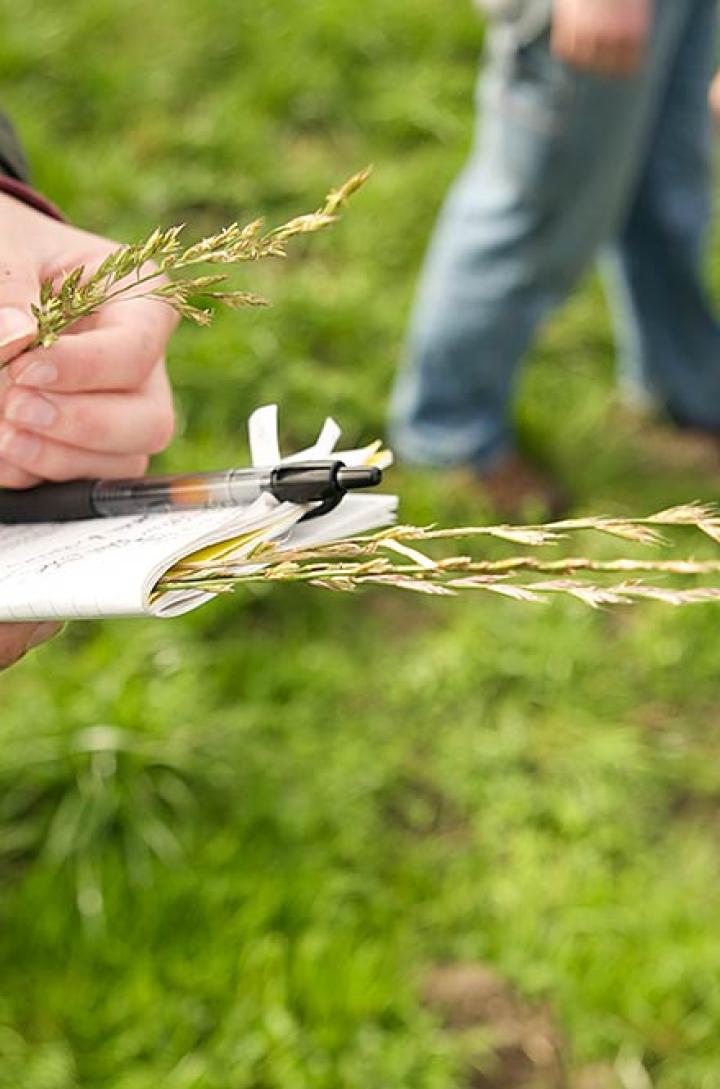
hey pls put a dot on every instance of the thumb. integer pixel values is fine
(18, 291)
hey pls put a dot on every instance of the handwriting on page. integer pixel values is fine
(96, 568)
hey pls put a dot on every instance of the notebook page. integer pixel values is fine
(356, 514)
(108, 566)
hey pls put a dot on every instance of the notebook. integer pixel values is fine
(112, 566)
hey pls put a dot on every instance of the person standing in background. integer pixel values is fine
(595, 132)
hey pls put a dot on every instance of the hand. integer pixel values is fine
(18, 639)
(97, 402)
(604, 36)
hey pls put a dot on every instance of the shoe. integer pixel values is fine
(516, 490)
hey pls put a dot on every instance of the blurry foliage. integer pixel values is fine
(291, 802)
(85, 800)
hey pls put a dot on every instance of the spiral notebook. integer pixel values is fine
(112, 566)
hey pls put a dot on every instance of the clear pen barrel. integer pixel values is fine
(193, 491)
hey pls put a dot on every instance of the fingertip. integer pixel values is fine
(104, 358)
(19, 449)
(33, 372)
(18, 329)
(13, 477)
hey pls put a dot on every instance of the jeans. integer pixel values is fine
(567, 165)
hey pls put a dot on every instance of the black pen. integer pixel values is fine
(321, 482)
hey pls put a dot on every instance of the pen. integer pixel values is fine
(322, 482)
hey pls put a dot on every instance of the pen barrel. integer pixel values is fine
(78, 500)
(191, 491)
(69, 502)
(322, 482)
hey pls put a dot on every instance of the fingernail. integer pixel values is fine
(30, 409)
(41, 633)
(19, 445)
(15, 325)
(38, 374)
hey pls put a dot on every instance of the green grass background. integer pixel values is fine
(230, 845)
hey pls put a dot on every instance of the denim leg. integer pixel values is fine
(670, 337)
(557, 158)
(479, 298)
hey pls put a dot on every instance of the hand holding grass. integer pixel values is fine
(96, 402)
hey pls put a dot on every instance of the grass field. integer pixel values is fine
(232, 846)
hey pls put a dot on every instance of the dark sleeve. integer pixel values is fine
(12, 158)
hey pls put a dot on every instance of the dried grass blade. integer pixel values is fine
(409, 553)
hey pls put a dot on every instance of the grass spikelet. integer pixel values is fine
(409, 553)
(594, 596)
(507, 589)
(689, 514)
(710, 529)
(627, 531)
(142, 269)
(336, 198)
(344, 585)
(387, 559)
(527, 536)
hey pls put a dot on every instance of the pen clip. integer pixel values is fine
(309, 482)
(322, 482)
(328, 504)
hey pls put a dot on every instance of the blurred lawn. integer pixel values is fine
(231, 844)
